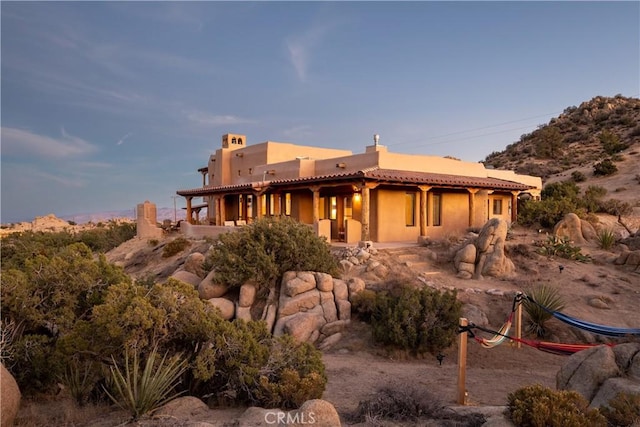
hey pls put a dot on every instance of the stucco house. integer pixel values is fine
(375, 196)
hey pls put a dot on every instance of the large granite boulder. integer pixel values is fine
(9, 397)
(486, 254)
(574, 229)
(599, 373)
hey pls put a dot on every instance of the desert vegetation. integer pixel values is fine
(561, 198)
(70, 317)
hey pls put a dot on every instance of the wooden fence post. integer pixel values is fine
(462, 364)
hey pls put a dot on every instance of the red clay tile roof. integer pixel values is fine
(389, 176)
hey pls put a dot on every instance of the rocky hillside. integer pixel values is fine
(599, 129)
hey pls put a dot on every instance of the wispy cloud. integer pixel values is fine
(301, 48)
(121, 140)
(207, 119)
(71, 182)
(23, 142)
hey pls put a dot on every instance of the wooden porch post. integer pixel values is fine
(514, 206)
(461, 397)
(366, 211)
(472, 205)
(423, 209)
(316, 206)
(259, 205)
(189, 218)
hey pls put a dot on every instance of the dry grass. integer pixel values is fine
(58, 412)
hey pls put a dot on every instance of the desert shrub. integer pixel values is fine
(364, 304)
(623, 410)
(605, 167)
(606, 239)
(547, 296)
(562, 247)
(611, 142)
(578, 176)
(408, 402)
(107, 237)
(153, 242)
(247, 364)
(593, 196)
(635, 131)
(546, 212)
(538, 406)
(615, 207)
(175, 246)
(141, 392)
(293, 374)
(267, 248)
(415, 320)
(47, 297)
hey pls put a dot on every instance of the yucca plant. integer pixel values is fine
(547, 296)
(606, 239)
(142, 392)
(80, 379)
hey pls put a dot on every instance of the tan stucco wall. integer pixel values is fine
(455, 216)
(390, 225)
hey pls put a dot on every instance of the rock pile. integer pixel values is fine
(485, 255)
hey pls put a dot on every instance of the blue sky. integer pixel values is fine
(108, 104)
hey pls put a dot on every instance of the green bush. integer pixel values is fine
(175, 246)
(578, 176)
(414, 320)
(623, 410)
(606, 239)
(562, 247)
(605, 167)
(267, 248)
(547, 296)
(245, 364)
(48, 297)
(538, 406)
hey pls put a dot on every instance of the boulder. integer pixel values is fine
(344, 309)
(182, 407)
(330, 341)
(187, 277)
(345, 265)
(316, 412)
(340, 290)
(301, 302)
(324, 282)
(194, 264)
(586, 370)
(208, 289)
(243, 313)
(328, 306)
(493, 229)
(298, 285)
(496, 263)
(466, 255)
(570, 227)
(612, 386)
(247, 295)
(474, 315)
(302, 325)
(334, 327)
(355, 286)
(10, 400)
(227, 307)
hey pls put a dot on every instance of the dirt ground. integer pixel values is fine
(356, 368)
